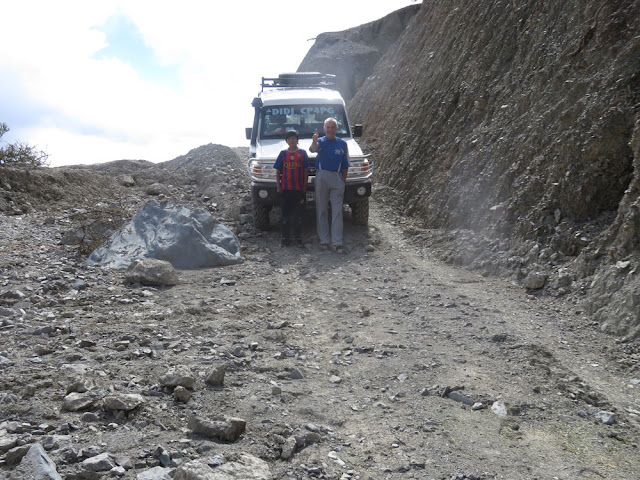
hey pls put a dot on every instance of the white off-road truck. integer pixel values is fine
(302, 102)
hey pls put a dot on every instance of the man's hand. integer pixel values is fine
(314, 143)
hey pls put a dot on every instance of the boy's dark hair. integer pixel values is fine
(291, 133)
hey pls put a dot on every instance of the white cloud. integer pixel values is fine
(84, 110)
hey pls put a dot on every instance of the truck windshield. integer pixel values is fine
(277, 120)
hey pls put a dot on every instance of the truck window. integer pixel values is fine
(277, 120)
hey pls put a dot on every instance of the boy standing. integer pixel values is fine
(292, 173)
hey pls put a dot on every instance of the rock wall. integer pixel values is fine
(351, 55)
(513, 121)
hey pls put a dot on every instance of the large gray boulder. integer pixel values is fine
(187, 238)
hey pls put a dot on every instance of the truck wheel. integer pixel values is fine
(360, 212)
(261, 216)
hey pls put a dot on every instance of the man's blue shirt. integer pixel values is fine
(333, 155)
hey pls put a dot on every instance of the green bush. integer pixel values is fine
(21, 153)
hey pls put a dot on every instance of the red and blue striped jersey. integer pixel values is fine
(292, 165)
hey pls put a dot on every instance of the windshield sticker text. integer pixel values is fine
(303, 110)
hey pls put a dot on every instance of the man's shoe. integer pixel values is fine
(284, 242)
(338, 249)
(324, 247)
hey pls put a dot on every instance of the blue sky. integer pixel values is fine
(125, 41)
(99, 81)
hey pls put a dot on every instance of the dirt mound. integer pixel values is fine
(24, 189)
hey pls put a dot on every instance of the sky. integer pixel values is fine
(89, 82)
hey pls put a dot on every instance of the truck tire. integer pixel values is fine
(261, 216)
(360, 212)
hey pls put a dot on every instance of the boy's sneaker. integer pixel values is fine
(338, 249)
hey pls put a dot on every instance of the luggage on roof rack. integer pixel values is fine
(300, 80)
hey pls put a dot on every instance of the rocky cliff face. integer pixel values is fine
(512, 125)
(351, 55)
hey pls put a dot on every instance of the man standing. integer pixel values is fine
(332, 165)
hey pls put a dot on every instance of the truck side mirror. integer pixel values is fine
(357, 130)
(247, 132)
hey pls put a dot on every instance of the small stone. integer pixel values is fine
(118, 472)
(99, 463)
(216, 376)
(180, 375)
(7, 443)
(608, 418)
(157, 473)
(181, 394)
(499, 408)
(278, 325)
(89, 417)
(124, 462)
(238, 352)
(312, 437)
(158, 189)
(296, 374)
(126, 180)
(78, 401)
(15, 455)
(126, 402)
(152, 272)
(228, 430)
(535, 281)
(122, 345)
(288, 448)
(333, 456)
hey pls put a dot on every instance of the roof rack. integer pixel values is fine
(300, 80)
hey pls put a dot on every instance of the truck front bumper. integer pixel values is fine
(265, 193)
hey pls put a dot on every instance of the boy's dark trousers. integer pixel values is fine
(292, 204)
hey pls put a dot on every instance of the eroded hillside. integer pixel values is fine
(508, 127)
(359, 48)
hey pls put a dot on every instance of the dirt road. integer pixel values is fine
(381, 363)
